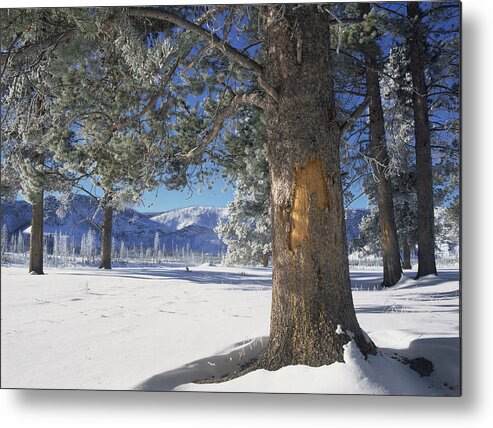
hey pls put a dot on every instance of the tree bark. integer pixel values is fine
(106, 238)
(424, 177)
(265, 260)
(312, 314)
(406, 255)
(389, 242)
(36, 239)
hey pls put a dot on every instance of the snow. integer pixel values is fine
(182, 228)
(162, 328)
(191, 228)
(196, 215)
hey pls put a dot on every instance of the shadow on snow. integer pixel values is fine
(197, 276)
(215, 366)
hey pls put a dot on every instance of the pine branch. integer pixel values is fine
(152, 102)
(210, 37)
(394, 12)
(196, 59)
(38, 47)
(210, 13)
(345, 21)
(238, 101)
(203, 33)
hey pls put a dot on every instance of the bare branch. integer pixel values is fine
(354, 116)
(196, 59)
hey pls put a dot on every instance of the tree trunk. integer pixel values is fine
(312, 314)
(392, 271)
(106, 238)
(406, 255)
(424, 178)
(265, 260)
(36, 239)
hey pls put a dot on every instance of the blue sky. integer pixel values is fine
(164, 200)
(218, 196)
(221, 194)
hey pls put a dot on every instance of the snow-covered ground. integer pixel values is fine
(163, 327)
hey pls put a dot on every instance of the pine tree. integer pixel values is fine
(156, 245)
(247, 230)
(424, 175)
(4, 243)
(291, 81)
(379, 153)
(123, 252)
(31, 141)
(116, 101)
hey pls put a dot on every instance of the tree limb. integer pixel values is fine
(209, 14)
(343, 21)
(40, 46)
(196, 59)
(238, 101)
(210, 37)
(203, 33)
(354, 116)
(152, 102)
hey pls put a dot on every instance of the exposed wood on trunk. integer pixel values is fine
(36, 239)
(424, 177)
(392, 271)
(310, 193)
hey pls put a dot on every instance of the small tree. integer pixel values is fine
(156, 245)
(247, 230)
(4, 243)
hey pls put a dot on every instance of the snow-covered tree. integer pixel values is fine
(247, 230)
(4, 242)
(156, 245)
(123, 251)
(32, 144)
(285, 70)
(114, 99)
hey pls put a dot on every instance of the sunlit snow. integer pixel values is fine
(162, 328)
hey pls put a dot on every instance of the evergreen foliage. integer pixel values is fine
(247, 229)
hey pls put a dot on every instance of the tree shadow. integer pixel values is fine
(251, 281)
(216, 366)
(442, 352)
(445, 355)
(371, 280)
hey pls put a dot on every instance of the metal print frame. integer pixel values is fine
(330, 262)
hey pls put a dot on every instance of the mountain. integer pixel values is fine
(181, 218)
(16, 215)
(353, 220)
(182, 229)
(194, 232)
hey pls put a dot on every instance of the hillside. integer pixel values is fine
(190, 228)
(181, 218)
(194, 232)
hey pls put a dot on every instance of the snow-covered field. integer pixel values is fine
(163, 327)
